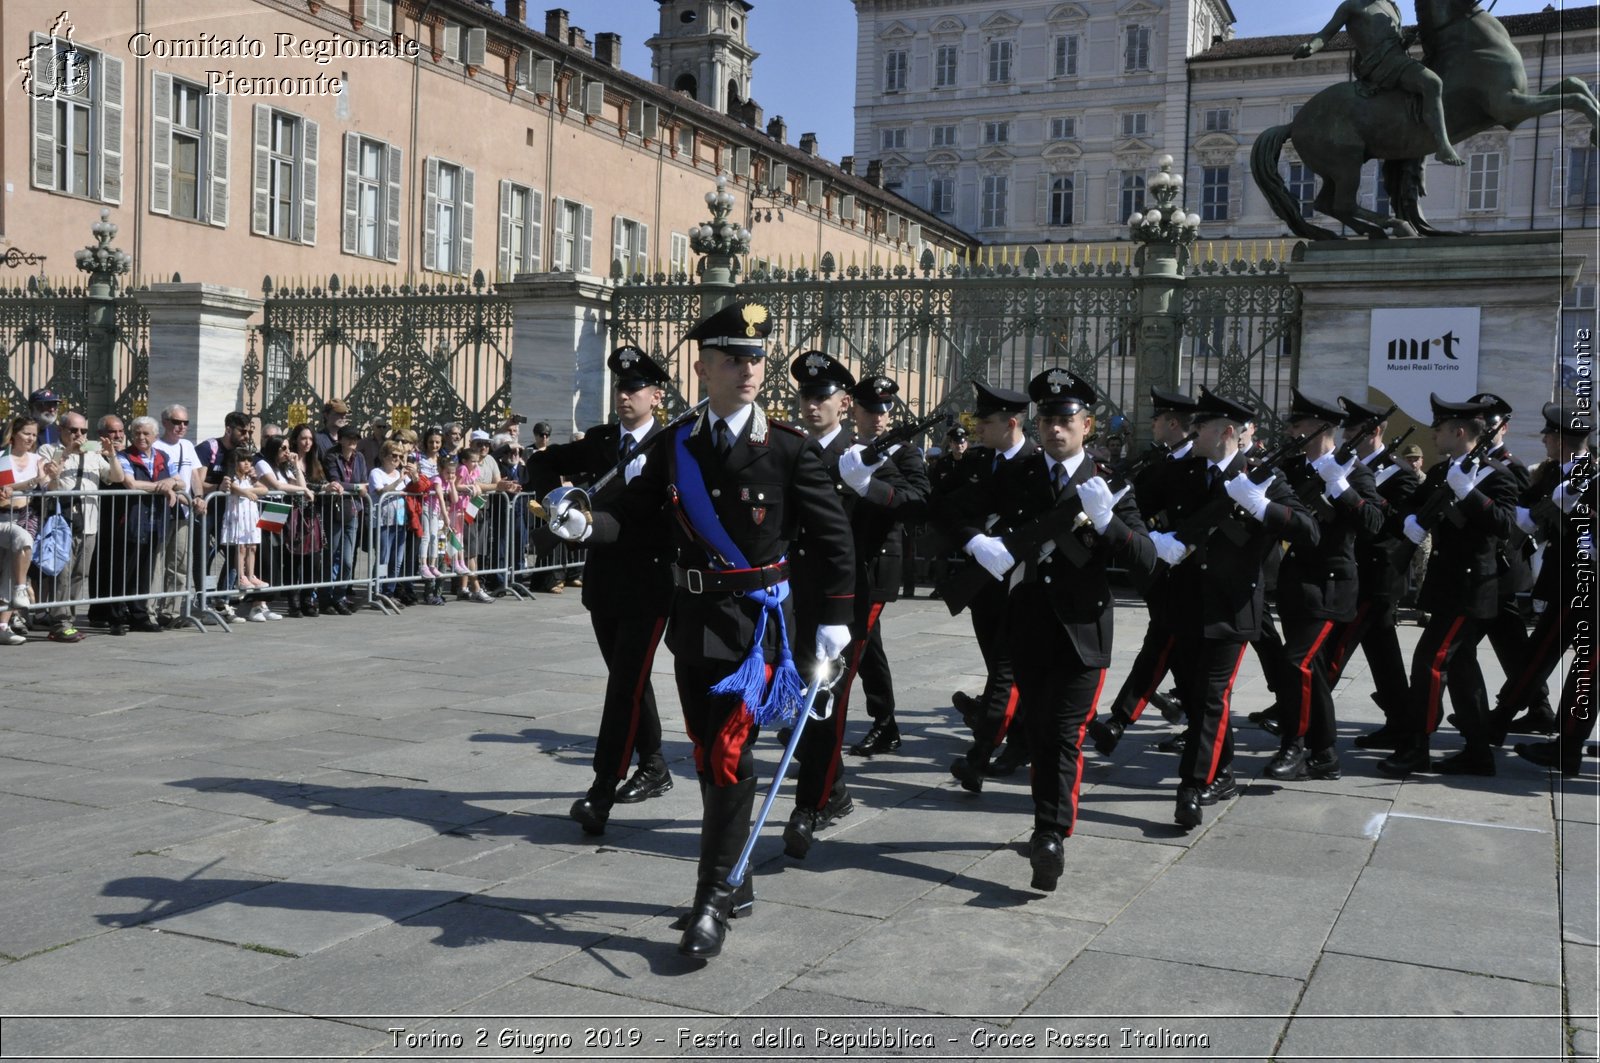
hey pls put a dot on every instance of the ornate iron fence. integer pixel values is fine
(46, 342)
(421, 354)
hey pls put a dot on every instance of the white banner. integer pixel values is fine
(1428, 349)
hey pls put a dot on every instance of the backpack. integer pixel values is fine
(52, 547)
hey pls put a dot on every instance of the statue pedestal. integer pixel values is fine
(1516, 280)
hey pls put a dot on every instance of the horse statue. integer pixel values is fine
(1341, 127)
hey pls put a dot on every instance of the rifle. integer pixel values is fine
(1156, 452)
(1347, 449)
(876, 449)
(1217, 514)
(1311, 491)
(582, 498)
(1437, 507)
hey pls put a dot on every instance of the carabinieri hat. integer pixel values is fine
(998, 400)
(1211, 406)
(1472, 409)
(1499, 409)
(1360, 411)
(1566, 420)
(820, 375)
(1060, 392)
(956, 432)
(739, 328)
(633, 369)
(876, 393)
(1303, 407)
(1173, 402)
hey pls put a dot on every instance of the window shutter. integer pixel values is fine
(391, 209)
(1042, 200)
(914, 235)
(741, 162)
(503, 260)
(260, 171)
(160, 143)
(468, 183)
(892, 227)
(635, 118)
(352, 193)
(594, 98)
(43, 81)
(430, 214)
(536, 231)
(847, 208)
(1080, 188)
(1558, 177)
(221, 108)
(544, 77)
(814, 191)
(586, 253)
(652, 122)
(477, 44)
(780, 177)
(525, 69)
(1114, 197)
(110, 130)
(619, 251)
(308, 181)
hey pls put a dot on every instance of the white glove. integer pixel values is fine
(992, 554)
(1098, 500)
(1565, 496)
(1168, 548)
(1336, 476)
(832, 640)
(570, 524)
(1414, 531)
(1525, 521)
(856, 474)
(1250, 496)
(1462, 483)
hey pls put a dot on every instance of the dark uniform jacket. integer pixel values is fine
(1464, 568)
(1054, 589)
(1376, 575)
(1561, 535)
(1220, 585)
(1515, 560)
(1318, 581)
(630, 575)
(1149, 494)
(770, 485)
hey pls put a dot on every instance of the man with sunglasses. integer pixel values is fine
(84, 469)
(183, 463)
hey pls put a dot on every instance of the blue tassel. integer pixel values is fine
(748, 682)
(788, 689)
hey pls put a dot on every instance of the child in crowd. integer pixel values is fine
(468, 532)
(386, 483)
(240, 528)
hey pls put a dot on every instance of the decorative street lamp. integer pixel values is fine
(721, 242)
(104, 264)
(1164, 232)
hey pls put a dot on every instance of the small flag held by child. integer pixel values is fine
(454, 540)
(8, 473)
(475, 506)
(274, 515)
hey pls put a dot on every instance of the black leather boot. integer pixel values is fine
(724, 827)
(593, 809)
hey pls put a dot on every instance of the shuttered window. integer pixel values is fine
(77, 105)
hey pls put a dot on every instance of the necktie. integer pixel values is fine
(1211, 476)
(721, 438)
(1058, 476)
(625, 451)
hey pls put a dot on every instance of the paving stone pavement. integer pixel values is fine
(347, 838)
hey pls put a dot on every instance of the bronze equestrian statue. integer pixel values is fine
(1391, 113)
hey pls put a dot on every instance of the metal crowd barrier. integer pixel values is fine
(554, 561)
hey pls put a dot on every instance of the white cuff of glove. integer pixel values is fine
(853, 471)
(992, 554)
(571, 525)
(832, 640)
(1337, 487)
(1168, 548)
(1415, 531)
(1525, 521)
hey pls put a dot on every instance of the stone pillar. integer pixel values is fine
(199, 334)
(1157, 334)
(560, 325)
(1517, 281)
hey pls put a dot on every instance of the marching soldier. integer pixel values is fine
(1379, 585)
(1169, 431)
(626, 588)
(1317, 588)
(738, 489)
(1470, 509)
(1224, 523)
(942, 479)
(991, 715)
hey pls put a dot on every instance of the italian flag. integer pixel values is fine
(274, 515)
(454, 540)
(475, 506)
(8, 474)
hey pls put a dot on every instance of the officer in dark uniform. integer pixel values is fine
(738, 489)
(1317, 587)
(1379, 584)
(1224, 524)
(942, 470)
(1460, 594)
(1059, 612)
(626, 588)
(942, 479)
(896, 494)
(991, 715)
(1170, 423)
(1559, 510)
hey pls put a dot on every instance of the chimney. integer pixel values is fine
(778, 129)
(808, 143)
(608, 49)
(875, 173)
(517, 11)
(555, 24)
(750, 114)
(578, 39)
(848, 165)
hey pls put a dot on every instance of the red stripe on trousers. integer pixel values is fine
(1077, 778)
(729, 745)
(1222, 728)
(638, 697)
(1436, 677)
(1005, 720)
(834, 763)
(1347, 643)
(1304, 723)
(1157, 674)
(1525, 679)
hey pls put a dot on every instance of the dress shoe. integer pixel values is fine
(1539, 719)
(967, 706)
(1047, 858)
(1386, 737)
(650, 779)
(1106, 734)
(591, 816)
(1407, 758)
(1289, 764)
(708, 922)
(1547, 755)
(744, 903)
(1267, 720)
(1219, 789)
(1188, 815)
(970, 776)
(1168, 705)
(1473, 760)
(1174, 743)
(149, 627)
(1324, 764)
(341, 608)
(1013, 756)
(880, 738)
(804, 824)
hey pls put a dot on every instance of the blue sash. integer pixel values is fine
(765, 703)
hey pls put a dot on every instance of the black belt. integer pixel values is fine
(729, 580)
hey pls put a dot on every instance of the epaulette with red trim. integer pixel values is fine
(791, 429)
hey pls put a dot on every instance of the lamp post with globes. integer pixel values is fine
(1164, 233)
(721, 242)
(104, 264)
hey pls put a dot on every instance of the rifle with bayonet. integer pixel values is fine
(1438, 506)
